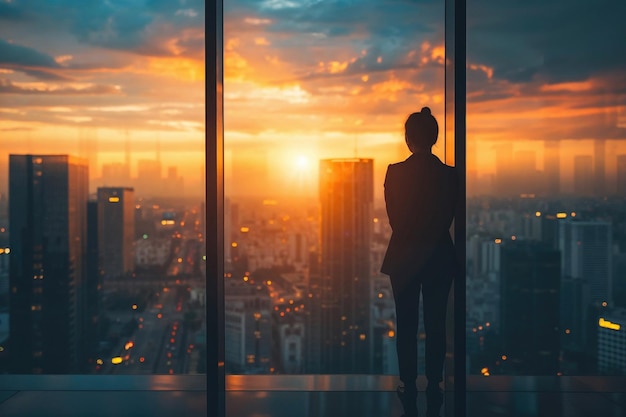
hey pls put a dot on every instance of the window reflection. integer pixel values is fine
(545, 233)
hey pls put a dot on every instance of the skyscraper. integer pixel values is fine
(48, 223)
(599, 177)
(552, 167)
(116, 231)
(612, 342)
(529, 307)
(346, 197)
(149, 178)
(586, 250)
(115, 173)
(583, 175)
(621, 175)
(91, 288)
(525, 161)
(504, 170)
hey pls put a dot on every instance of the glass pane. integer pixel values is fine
(316, 97)
(102, 187)
(545, 225)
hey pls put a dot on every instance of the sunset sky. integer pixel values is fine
(304, 80)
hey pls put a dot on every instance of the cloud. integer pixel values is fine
(141, 26)
(8, 11)
(17, 55)
(17, 129)
(8, 87)
(30, 61)
(559, 41)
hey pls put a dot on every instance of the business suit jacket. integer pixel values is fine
(421, 196)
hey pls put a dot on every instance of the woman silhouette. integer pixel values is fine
(420, 196)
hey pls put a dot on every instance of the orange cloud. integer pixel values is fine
(333, 67)
(564, 87)
(176, 67)
(484, 68)
(256, 21)
(261, 42)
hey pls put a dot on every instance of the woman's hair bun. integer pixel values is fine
(425, 110)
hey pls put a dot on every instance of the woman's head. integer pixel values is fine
(421, 130)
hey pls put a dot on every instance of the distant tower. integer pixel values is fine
(583, 175)
(149, 178)
(48, 223)
(529, 298)
(586, 249)
(552, 167)
(92, 288)
(127, 151)
(525, 162)
(621, 175)
(611, 328)
(504, 170)
(346, 197)
(116, 231)
(599, 156)
(88, 148)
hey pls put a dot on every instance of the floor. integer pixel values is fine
(303, 396)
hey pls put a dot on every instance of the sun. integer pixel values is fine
(301, 163)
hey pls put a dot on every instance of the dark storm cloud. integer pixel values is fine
(558, 41)
(117, 26)
(382, 36)
(9, 11)
(18, 55)
(29, 61)
(141, 26)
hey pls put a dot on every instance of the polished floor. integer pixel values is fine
(303, 396)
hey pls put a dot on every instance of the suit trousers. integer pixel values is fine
(433, 281)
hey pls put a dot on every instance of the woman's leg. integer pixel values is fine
(406, 293)
(435, 288)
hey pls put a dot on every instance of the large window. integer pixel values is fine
(316, 95)
(102, 206)
(546, 189)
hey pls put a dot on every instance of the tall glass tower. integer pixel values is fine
(48, 225)
(346, 198)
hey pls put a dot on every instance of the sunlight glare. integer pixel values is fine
(301, 163)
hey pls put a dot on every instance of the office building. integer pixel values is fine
(115, 173)
(612, 342)
(586, 250)
(529, 307)
(149, 180)
(505, 175)
(116, 231)
(621, 175)
(552, 167)
(599, 174)
(247, 328)
(48, 223)
(583, 175)
(346, 197)
(92, 290)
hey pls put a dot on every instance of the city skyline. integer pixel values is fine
(121, 85)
